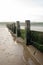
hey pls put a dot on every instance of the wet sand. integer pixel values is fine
(13, 53)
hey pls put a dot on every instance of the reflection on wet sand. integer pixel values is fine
(27, 57)
(13, 53)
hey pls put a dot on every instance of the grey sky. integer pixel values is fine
(12, 10)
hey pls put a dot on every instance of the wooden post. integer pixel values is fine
(14, 28)
(18, 29)
(27, 22)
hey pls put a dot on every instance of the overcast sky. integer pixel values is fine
(13, 10)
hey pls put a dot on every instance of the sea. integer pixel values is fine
(34, 28)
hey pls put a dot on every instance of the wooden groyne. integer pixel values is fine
(34, 38)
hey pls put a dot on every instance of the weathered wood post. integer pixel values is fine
(14, 28)
(27, 22)
(18, 29)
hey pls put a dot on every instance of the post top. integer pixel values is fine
(27, 20)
